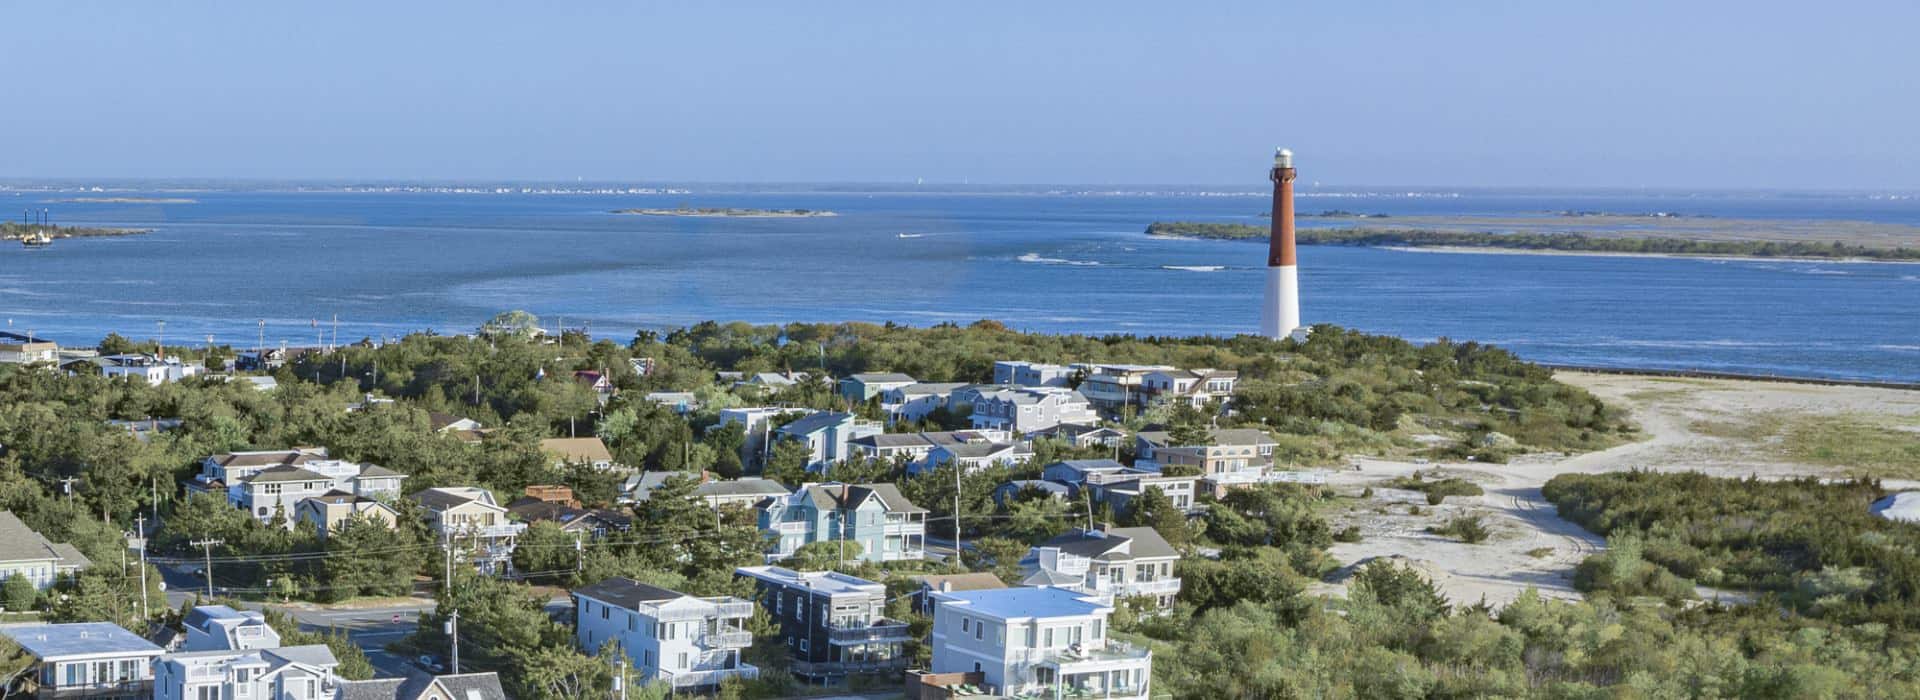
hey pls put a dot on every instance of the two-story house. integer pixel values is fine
(973, 456)
(834, 625)
(1117, 485)
(152, 369)
(469, 518)
(1108, 562)
(859, 388)
(1049, 642)
(1019, 373)
(1233, 457)
(915, 402)
(913, 447)
(585, 451)
(1082, 436)
(278, 673)
(274, 482)
(827, 435)
(18, 349)
(757, 422)
(85, 660)
(32, 556)
(222, 628)
(667, 636)
(420, 686)
(330, 511)
(883, 522)
(1193, 387)
(1112, 387)
(1026, 410)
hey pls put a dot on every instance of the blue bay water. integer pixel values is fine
(388, 263)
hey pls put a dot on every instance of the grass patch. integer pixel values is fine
(1469, 528)
(1540, 552)
(1437, 490)
(1861, 444)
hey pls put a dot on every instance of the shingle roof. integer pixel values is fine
(21, 543)
(741, 487)
(627, 593)
(815, 423)
(286, 473)
(878, 377)
(263, 459)
(465, 686)
(1137, 541)
(961, 582)
(376, 471)
(831, 496)
(585, 450)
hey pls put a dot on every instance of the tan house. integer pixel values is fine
(468, 516)
(26, 349)
(588, 450)
(1235, 456)
(329, 512)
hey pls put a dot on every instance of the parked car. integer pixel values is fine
(431, 663)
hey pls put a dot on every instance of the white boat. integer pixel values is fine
(908, 235)
(37, 239)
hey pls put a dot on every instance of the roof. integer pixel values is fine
(741, 487)
(979, 449)
(960, 582)
(1221, 436)
(814, 423)
(831, 583)
(1138, 542)
(439, 421)
(286, 473)
(465, 686)
(585, 450)
(52, 641)
(444, 498)
(894, 440)
(375, 471)
(922, 388)
(627, 593)
(306, 655)
(21, 543)
(266, 458)
(835, 495)
(1089, 465)
(1023, 603)
(882, 377)
(1904, 506)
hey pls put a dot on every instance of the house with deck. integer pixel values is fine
(862, 387)
(32, 556)
(827, 436)
(682, 641)
(833, 625)
(878, 517)
(84, 660)
(1037, 642)
(477, 525)
(1109, 562)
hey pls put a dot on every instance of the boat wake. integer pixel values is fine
(1194, 268)
(1037, 258)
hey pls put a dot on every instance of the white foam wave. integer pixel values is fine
(1037, 258)
(1194, 268)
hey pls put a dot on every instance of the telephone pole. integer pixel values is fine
(208, 546)
(957, 559)
(453, 633)
(140, 536)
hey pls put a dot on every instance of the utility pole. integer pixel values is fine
(140, 532)
(336, 331)
(160, 342)
(260, 350)
(579, 555)
(66, 486)
(956, 516)
(453, 633)
(208, 545)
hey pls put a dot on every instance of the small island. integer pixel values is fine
(14, 231)
(123, 200)
(1570, 243)
(730, 212)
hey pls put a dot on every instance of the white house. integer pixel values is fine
(1109, 562)
(1051, 642)
(1193, 387)
(280, 673)
(26, 349)
(152, 369)
(973, 456)
(913, 402)
(757, 422)
(275, 482)
(221, 628)
(86, 659)
(26, 553)
(471, 519)
(914, 447)
(1031, 373)
(827, 435)
(1029, 409)
(666, 636)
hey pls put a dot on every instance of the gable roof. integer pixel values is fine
(285, 473)
(586, 450)
(960, 582)
(444, 498)
(627, 593)
(1120, 543)
(21, 543)
(836, 495)
(814, 423)
(881, 378)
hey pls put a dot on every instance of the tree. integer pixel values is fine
(19, 593)
(788, 464)
(368, 557)
(1153, 509)
(547, 550)
(511, 323)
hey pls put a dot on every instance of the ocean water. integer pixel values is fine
(391, 262)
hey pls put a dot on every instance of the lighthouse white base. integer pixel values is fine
(1280, 316)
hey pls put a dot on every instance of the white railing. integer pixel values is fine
(726, 638)
(1166, 586)
(711, 677)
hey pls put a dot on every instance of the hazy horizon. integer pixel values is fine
(1709, 96)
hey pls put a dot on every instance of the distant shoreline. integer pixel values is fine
(123, 200)
(1550, 243)
(730, 213)
(10, 231)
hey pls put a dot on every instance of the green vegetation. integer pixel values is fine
(1571, 242)
(729, 211)
(1471, 529)
(13, 230)
(1857, 444)
(1437, 490)
(1812, 547)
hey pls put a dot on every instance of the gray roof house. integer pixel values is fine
(866, 385)
(828, 435)
(420, 686)
(27, 553)
(1108, 562)
(86, 659)
(887, 526)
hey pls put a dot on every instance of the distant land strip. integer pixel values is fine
(11, 231)
(1559, 242)
(730, 212)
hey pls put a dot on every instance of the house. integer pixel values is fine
(144, 429)
(1108, 562)
(261, 383)
(587, 451)
(465, 429)
(771, 381)
(278, 673)
(27, 553)
(914, 447)
(973, 456)
(834, 625)
(667, 636)
(1235, 457)
(1031, 373)
(1074, 472)
(883, 522)
(914, 402)
(257, 360)
(1030, 409)
(596, 382)
(221, 628)
(595, 522)
(860, 388)
(642, 366)
(949, 583)
(827, 435)
(1194, 387)
(27, 349)
(1049, 642)
(266, 483)
(420, 686)
(681, 402)
(1082, 436)
(152, 369)
(1118, 490)
(550, 493)
(330, 511)
(744, 492)
(757, 422)
(85, 660)
(1007, 492)
(1112, 387)
(469, 516)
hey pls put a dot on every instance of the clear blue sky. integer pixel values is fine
(1575, 93)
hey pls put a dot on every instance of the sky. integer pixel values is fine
(1574, 93)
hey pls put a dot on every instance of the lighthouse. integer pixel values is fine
(1280, 316)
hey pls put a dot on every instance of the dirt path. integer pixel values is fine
(1531, 545)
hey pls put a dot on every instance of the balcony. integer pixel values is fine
(817, 669)
(722, 607)
(1165, 586)
(707, 678)
(726, 638)
(793, 528)
(880, 632)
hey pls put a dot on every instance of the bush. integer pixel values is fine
(18, 593)
(1437, 490)
(1469, 528)
(1350, 533)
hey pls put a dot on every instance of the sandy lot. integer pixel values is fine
(1721, 427)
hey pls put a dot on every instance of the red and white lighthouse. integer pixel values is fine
(1280, 316)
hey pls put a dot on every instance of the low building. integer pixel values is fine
(280, 673)
(1082, 436)
(834, 625)
(85, 660)
(585, 451)
(1032, 409)
(739, 493)
(26, 553)
(681, 402)
(28, 349)
(1007, 492)
(1075, 472)
(1049, 642)
(862, 387)
(1233, 457)
(1120, 490)
(973, 456)
(595, 522)
(470, 518)
(914, 447)
(883, 522)
(667, 636)
(152, 369)
(930, 584)
(420, 686)
(1112, 563)
(828, 436)
(465, 430)
(1020, 373)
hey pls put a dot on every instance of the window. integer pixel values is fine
(803, 645)
(1047, 637)
(208, 692)
(1096, 629)
(979, 631)
(683, 660)
(966, 624)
